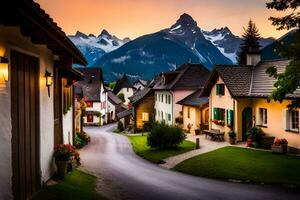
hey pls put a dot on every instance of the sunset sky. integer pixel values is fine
(133, 18)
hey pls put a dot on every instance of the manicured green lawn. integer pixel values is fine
(140, 147)
(76, 186)
(244, 164)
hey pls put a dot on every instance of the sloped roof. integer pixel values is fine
(39, 26)
(186, 77)
(139, 95)
(246, 80)
(91, 85)
(122, 83)
(195, 99)
(124, 113)
(113, 98)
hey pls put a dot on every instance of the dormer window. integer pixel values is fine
(220, 89)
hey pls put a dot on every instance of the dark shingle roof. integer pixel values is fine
(124, 113)
(113, 98)
(187, 76)
(194, 99)
(247, 81)
(139, 95)
(92, 83)
(122, 83)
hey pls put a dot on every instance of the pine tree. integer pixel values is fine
(288, 81)
(250, 43)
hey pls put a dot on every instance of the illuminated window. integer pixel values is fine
(145, 117)
(89, 104)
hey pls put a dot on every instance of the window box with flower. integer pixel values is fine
(280, 146)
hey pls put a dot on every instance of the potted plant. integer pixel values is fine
(280, 146)
(232, 137)
(255, 135)
(63, 154)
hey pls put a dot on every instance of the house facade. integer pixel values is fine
(114, 106)
(175, 86)
(123, 86)
(36, 96)
(195, 112)
(240, 102)
(93, 92)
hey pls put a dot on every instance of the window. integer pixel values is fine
(127, 89)
(219, 114)
(89, 104)
(166, 98)
(89, 118)
(158, 113)
(155, 97)
(162, 115)
(188, 112)
(220, 89)
(169, 99)
(294, 120)
(169, 117)
(145, 117)
(263, 116)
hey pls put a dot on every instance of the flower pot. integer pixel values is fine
(62, 167)
(232, 141)
(280, 149)
(249, 142)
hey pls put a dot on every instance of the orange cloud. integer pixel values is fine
(131, 18)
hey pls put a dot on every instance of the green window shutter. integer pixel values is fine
(229, 117)
(222, 89)
(216, 113)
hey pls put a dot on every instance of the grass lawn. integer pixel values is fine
(76, 186)
(140, 147)
(244, 164)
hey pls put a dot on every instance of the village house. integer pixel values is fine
(123, 86)
(195, 112)
(139, 85)
(93, 93)
(174, 86)
(36, 96)
(143, 106)
(238, 100)
(113, 107)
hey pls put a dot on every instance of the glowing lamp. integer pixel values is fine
(49, 81)
(4, 68)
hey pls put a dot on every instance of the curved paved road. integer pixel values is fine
(110, 156)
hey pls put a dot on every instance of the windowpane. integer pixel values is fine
(145, 117)
(295, 120)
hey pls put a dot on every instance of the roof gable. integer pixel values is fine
(122, 83)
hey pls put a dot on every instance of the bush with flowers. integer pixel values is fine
(219, 122)
(64, 152)
(280, 141)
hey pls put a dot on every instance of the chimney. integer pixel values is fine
(253, 56)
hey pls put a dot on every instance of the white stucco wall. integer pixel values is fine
(126, 93)
(11, 38)
(68, 127)
(163, 106)
(111, 108)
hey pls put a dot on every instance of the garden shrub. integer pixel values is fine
(147, 126)
(256, 134)
(120, 126)
(163, 136)
(122, 97)
(81, 139)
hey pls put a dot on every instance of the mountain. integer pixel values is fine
(269, 53)
(228, 43)
(151, 54)
(93, 47)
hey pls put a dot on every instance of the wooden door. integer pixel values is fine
(58, 136)
(25, 125)
(246, 122)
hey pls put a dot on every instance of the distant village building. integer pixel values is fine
(94, 94)
(174, 86)
(195, 111)
(238, 100)
(123, 86)
(36, 96)
(139, 85)
(114, 106)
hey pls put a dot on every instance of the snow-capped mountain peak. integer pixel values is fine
(94, 47)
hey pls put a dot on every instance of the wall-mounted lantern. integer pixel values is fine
(49, 81)
(3, 68)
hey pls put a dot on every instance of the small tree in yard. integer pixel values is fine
(289, 81)
(163, 136)
(251, 39)
(122, 97)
